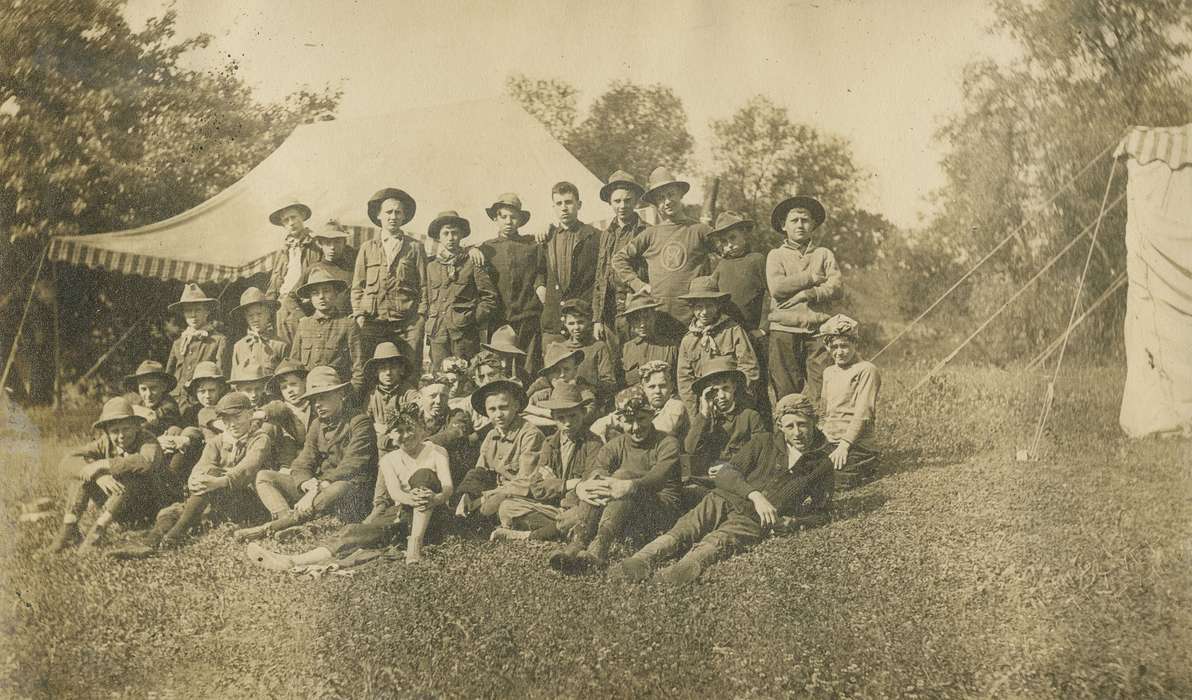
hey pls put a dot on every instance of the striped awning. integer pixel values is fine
(1170, 144)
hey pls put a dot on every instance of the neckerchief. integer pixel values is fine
(191, 334)
(297, 240)
(704, 334)
(451, 261)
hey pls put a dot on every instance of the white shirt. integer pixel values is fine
(397, 467)
(293, 269)
(792, 456)
(392, 246)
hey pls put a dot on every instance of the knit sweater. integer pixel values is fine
(518, 267)
(653, 465)
(744, 278)
(674, 253)
(850, 403)
(788, 272)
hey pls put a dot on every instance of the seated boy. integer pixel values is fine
(596, 366)
(334, 469)
(253, 381)
(222, 480)
(560, 366)
(289, 414)
(565, 455)
(260, 344)
(182, 446)
(387, 377)
(722, 425)
(632, 484)
(327, 338)
(783, 480)
(503, 344)
(199, 342)
(670, 414)
(457, 373)
(153, 384)
(644, 345)
(849, 401)
(509, 455)
(712, 334)
(119, 472)
(413, 484)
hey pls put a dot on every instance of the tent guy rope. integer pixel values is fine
(16, 337)
(1054, 345)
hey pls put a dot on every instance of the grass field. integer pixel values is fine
(959, 572)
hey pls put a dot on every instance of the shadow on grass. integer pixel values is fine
(854, 504)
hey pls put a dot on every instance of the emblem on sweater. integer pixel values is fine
(673, 256)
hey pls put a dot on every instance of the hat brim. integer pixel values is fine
(304, 290)
(194, 382)
(811, 204)
(492, 212)
(271, 303)
(130, 381)
(407, 366)
(275, 217)
(745, 224)
(606, 192)
(553, 405)
(311, 393)
(643, 307)
(437, 225)
(648, 195)
(700, 384)
(481, 395)
(107, 421)
(374, 205)
(504, 349)
(546, 368)
(205, 301)
(702, 296)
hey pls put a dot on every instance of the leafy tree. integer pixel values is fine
(634, 128)
(550, 101)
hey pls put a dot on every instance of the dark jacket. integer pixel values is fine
(518, 267)
(582, 268)
(343, 451)
(551, 489)
(608, 291)
(333, 341)
(460, 298)
(744, 278)
(281, 265)
(762, 466)
(389, 292)
(712, 441)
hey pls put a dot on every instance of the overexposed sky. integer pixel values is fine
(882, 74)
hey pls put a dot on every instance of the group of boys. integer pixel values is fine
(583, 385)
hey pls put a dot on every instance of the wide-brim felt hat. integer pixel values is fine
(251, 372)
(289, 203)
(555, 354)
(319, 276)
(448, 217)
(322, 380)
(390, 351)
(729, 221)
(116, 409)
(205, 370)
(251, 296)
(284, 368)
(374, 204)
(511, 200)
(150, 368)
(641, 301)
(620, 180)
(563, 396)
(718, 368)
(503, 340)
(193, 294)
(661, 177)
(801, 201)
(497, 385)
(331, 229)
(704, 288)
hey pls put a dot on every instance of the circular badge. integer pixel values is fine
(673, 256)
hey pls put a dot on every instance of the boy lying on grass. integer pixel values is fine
(413, 483)
(785, 474)
(849, 401)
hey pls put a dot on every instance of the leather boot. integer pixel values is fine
(690, 567)
(638, 567)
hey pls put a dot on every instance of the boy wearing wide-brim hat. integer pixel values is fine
(713, 334)
(741, 272)
(388, 284)
(204, 390)
(253, 380)
(461, 298)
(260, 344)
(119, 471)
(518, 268)
(560, 368)
(723, 424)
(389, 383)
(642, 344)
(632, 484)
(199, 342)
(598, 367)
(779, 481)
(289, 414)
(803, 279)
(153, 384)
(510, 454)
(335, 469)
(622, 194)
(292, 263)
(849, 402)
(674, 251)
(504, 344)
(338, 258)
(325, 338)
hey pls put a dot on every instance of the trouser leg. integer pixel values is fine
(277, 491)
(785, 363)
(529, 339)
(816, 358)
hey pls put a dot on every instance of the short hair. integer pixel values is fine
(564, 187)
(431, 379)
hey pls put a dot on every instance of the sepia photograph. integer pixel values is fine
(561, 349)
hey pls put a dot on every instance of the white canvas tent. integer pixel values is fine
(458, 156)
(1158, 391)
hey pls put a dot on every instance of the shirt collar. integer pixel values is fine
(507, 435)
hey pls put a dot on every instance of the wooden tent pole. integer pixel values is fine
(57, 336)
(16, 337)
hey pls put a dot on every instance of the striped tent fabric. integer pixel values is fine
(1146, 144)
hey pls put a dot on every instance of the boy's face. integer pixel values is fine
(638, 426)
(843, 350)
(669, 201)
(389, 373)
(566, 208)
(623, 202)
(461, 421)
(488, 373)
(196, 315)
(330, 247)
(657, 388)
(641, 323)
(501, 409)
(259, 317)
(565, 370)
(434, 400)
(322, 296)
(328, 405)
(732, 244)
(254, 389)
(238, 423)
(292, 221)
(798, 225)
(705, 311)
(123, 433)
(409, 436)
(392, 215)
(570, 420)
(576, 326)
(291, 387)
(507, 220)
(722, 393)
(151, 390)
(208, 391)
(450, 237)
(797, 430)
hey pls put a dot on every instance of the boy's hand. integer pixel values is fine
(758, 333)
(598, 331)
(707, 407)
(306, 504)
(311, 485)
(620, 488)
(108, 484)
(93, 469)
(360, 322)
(476, 255)
(593, 491)
(205, 483)
(765, 510)
(542, 236)
(541, 292)
(839, 456)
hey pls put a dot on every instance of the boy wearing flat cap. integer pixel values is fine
(120, 472)
(609, 293)
(461, 299)
(388, 286)
(260, 344)
(326, 339)
(518, 268)
(782, 480)
(335, 468)
(713, 334)
(803, 279)
(291, 266)
(199, 342)
(851, 386)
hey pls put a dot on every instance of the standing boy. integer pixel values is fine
(198, 342)
(460, 296)
(571, 248)
(339, 259)
(292, 264)
(609, 293)
(518, 267)
(260, 344)
(325, 338)
(713, 334)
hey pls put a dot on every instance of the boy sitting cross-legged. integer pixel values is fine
(413, 484)
(334, 469)
(780, 480)
(509, 455)
(199, 342)
(849, 400)
(152, 385)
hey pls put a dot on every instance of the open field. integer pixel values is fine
(960, 572)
